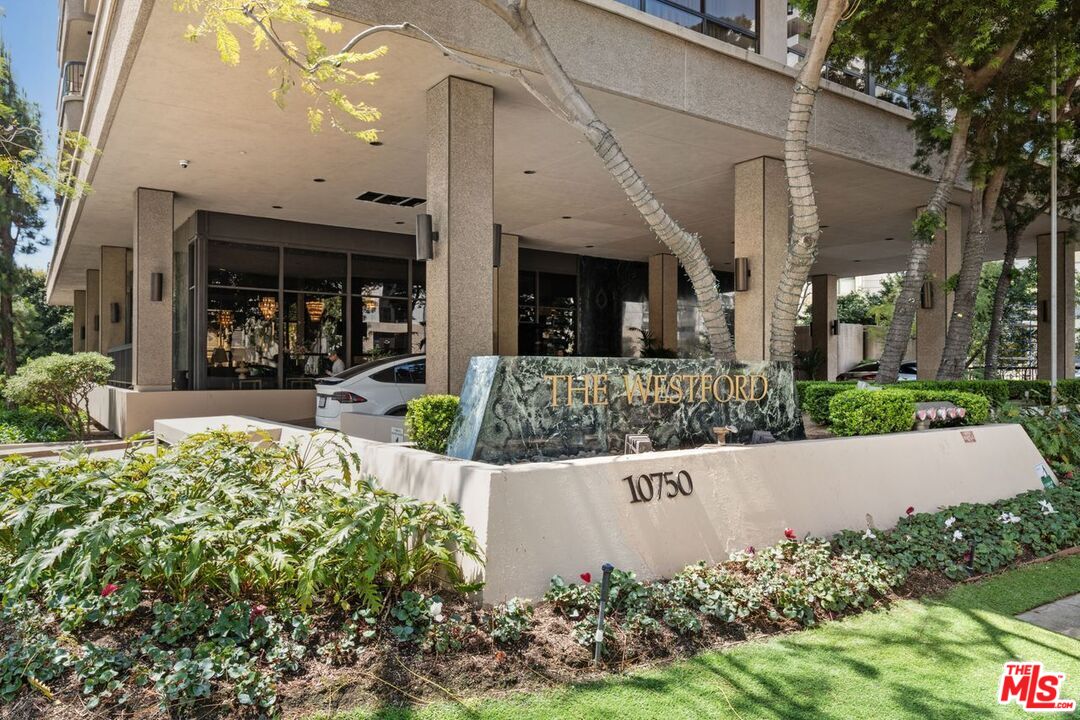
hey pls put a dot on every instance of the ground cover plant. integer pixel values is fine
(23, 425)
(247, 579)
(1055, 432)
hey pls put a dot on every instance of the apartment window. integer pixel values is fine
(733, 21)
(380, 308)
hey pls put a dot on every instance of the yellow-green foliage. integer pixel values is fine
(428, 420)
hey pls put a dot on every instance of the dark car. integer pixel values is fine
(867, 371)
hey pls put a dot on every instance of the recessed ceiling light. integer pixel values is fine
(318, 179)
(567, 217)
(276, 207)
(889, 238)
(590, 246)
(375, 143)
(400, 222)
(856, 261)
(530, 172)
(823, 227)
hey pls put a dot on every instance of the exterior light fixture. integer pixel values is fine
(268, 306)
(157, 283)
(425, 237)
(742, 274)
(315, 309)
(1044, 311)
(834, 327)
(114, 312)
(82, 332)
(496, 245)
(926, 296)
(97, 323)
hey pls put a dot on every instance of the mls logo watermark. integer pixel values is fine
(1033, 689)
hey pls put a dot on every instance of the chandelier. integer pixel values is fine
(225, 318)
(268, 306)
(315, 309)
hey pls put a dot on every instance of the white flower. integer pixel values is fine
(869, 534)
(436, 610)
(1047, 508)
(949, 521)
(957, 535)
(439, 618)
(1008, 517)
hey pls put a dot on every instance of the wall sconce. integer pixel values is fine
(496, 245)
(1044, 310)
(926, 296)
(834, 327)
(425, 237)
(742, 274)
(97, 323)
(114, 312)
(157, 282)
(82, 332)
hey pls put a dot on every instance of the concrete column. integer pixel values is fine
(931, 324)
(460, 286)
(772, 30)
(78, 322)
(1066, 303)
(152, 331)
(761, 235)
(93, 319)
(113, 292)
(823, 315)
(506, 298)
(664, 299)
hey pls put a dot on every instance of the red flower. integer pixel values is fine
(257, 611)
(910, 510)
(750, 550)
(109, 590)
(1069, 475)
(586, 577)
(789, 534)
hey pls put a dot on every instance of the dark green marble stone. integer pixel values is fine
(506, 413)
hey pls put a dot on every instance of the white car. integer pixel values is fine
(379, 387)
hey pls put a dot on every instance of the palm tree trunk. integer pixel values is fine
(805, 224)
(983, 203)
(1001, 292)
(926, 225)
(577, 111)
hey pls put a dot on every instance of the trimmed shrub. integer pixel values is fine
(871, 412)
(977, 406)
(1068, 391)
(428, 420)
(1030, 390)
(26, 425)
(814, 397)
(996, 391)
(61, 383)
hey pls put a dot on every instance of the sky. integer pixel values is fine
(28, 29)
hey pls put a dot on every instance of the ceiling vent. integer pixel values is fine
(386, 199)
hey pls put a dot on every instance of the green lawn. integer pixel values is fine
(933, 659)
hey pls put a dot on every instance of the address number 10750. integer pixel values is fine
(657, 485)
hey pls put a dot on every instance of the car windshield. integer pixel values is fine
(369, 365)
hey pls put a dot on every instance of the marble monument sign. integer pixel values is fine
(518, 409)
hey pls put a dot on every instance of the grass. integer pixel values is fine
(934, 658)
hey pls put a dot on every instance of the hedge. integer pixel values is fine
(996, 391)
(428, 420)
(873, 412)
(1068, 391)
(814, 397)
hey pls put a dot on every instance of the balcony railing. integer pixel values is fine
(71, 82)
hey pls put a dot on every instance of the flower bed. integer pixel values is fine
(221, 574)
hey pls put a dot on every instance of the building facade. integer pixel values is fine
(225, 251)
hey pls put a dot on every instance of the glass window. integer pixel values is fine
(380, 328)
(381, 277)
(419, 307)
(547, 314)
(414, 373)
(241, 265)
(314, 327)
(389, 376)
(673, 14)
(241, 340)
(740, 13)
(314, 271)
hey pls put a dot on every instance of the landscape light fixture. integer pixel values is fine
(114, 312)
(425, 237)
(157, 282)
(926, 296)
(496, 245)
(742, 274)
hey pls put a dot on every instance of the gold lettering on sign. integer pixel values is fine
(593, 389)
